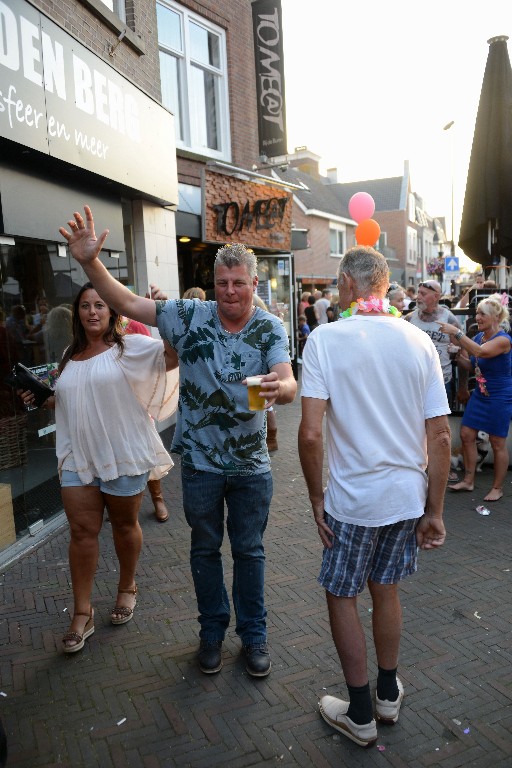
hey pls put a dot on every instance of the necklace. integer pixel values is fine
(371, 304)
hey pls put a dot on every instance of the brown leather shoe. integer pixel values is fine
(155, 490)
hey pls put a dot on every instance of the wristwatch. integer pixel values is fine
(458, 335)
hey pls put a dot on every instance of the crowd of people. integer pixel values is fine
(105, 459)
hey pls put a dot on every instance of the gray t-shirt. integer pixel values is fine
(441, 340)
(215, 431)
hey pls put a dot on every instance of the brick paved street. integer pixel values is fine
(135, 697)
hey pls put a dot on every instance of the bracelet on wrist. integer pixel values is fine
(458, 336)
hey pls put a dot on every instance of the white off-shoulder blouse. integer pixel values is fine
(102, 411)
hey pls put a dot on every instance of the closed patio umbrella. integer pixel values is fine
(486, 226)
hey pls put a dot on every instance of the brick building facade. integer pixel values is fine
(81, 121)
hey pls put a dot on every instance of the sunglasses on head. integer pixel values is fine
(393, 287)
(430, 287)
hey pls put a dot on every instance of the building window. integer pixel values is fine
(193, 73)
(120, 9)
(337, 241)
(116, 6)
(411, 207)
(412, 246)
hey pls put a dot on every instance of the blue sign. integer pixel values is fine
(451, 264)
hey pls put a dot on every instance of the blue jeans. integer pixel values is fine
(247, 500)
(448, 388)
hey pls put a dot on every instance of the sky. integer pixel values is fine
(371, 84)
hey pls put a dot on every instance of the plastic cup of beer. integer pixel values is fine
(256, 403)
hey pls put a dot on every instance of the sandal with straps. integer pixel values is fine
(125, 614)
(79, 639)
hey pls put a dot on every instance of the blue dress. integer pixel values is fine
(491, 414)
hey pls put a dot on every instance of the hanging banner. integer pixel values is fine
(268, 50)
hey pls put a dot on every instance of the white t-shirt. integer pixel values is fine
(382, 378)
(321, 306)
(102, 411)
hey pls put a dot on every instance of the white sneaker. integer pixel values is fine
(388, 711)
(334, 712)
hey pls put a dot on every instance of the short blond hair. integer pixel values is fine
(492, 306)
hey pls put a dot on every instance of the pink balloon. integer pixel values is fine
(361, 206)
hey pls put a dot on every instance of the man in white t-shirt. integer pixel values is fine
(322, 305)
(379, 504)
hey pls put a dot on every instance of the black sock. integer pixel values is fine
(387, 687)
(360, 710)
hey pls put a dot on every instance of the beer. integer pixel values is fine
(256, 403)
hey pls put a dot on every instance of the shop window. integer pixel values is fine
(38, 283)
(193, 74)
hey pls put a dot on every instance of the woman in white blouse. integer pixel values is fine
(107, 446)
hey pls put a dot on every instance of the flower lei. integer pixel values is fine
(481, 381)
(371, 304)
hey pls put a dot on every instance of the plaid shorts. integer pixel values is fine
(385, 555)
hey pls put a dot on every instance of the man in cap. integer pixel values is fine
(427, 315)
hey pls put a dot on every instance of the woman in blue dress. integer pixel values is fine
(490, 406)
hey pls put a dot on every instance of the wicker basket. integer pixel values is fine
(13, 441)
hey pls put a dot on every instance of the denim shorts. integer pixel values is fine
(385, 555)
(125, 485)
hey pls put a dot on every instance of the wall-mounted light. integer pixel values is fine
(112, 48)
(5, 240)
(114, 254)
(62, 250)
(273, 283)
(184, 240)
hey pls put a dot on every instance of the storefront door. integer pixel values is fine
(275, 288)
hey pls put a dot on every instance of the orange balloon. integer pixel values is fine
(367, 232)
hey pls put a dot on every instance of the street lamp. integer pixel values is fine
(447, 127)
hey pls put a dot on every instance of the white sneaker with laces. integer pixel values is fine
(334, 712)
(388, 711)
